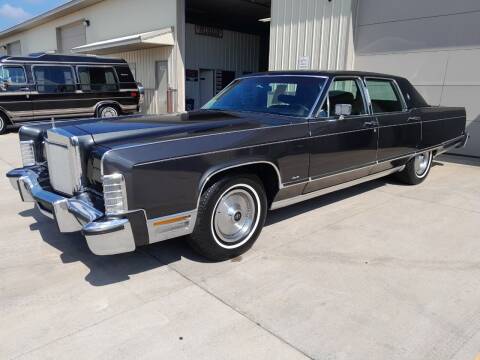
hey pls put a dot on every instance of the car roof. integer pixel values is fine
(61, 58)
(327, 73)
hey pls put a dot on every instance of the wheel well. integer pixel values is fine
(264, 171)
(5, 117)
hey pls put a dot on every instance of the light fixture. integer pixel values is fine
(86, 23)
(265, 20)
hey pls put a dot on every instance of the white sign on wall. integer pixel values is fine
(303, 63)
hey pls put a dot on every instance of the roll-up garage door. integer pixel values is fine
(70, 36)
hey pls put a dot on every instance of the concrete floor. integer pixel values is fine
(378, 271)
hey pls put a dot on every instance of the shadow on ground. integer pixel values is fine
(106, 270)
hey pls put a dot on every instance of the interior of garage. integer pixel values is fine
(223, 40)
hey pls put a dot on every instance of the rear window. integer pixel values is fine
(124, 74)
(97, 78)
(54, 79)
(384, 96)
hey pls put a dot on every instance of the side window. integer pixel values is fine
(54, 79)
(124, 73)
(97, 79)
(345, 92)
(14, 75)
(384, 96)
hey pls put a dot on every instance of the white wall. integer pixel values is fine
(318, 30)
(434, 43)
(108, 19)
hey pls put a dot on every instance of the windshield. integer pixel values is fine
(282, 95)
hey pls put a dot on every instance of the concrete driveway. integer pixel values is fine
(378, 271)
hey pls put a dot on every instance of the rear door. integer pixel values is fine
(15, 92)
(342, 148)
(399, 128)
(55, 95)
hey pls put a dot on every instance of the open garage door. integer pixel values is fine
(223, 40)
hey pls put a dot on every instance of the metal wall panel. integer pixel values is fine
(143, 62)
(235, 51)
(434, 43)
(311, 34)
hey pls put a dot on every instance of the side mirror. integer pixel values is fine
(343, 110)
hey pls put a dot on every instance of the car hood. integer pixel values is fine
(111, 133)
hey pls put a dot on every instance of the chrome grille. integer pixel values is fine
(64, 162)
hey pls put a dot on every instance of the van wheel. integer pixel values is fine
(417, 169)
(230, 217)
(4, 122)
(107, 111)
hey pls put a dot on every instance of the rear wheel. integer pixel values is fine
(231, 215)
(417, 169)
(107, 111)
(3, 124)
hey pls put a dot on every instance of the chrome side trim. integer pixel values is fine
(157, 233)
(308, 196)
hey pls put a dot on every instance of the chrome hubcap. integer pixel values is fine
(422, 162)
(109, 112)
(234, 216)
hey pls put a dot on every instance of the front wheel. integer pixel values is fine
(417, 169)
(230, 217)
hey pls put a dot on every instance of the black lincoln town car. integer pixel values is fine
(266, 141)
(45, 86)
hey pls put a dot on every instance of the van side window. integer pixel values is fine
(97, 78)
(124, 74)
(14, 75)
(54, 79)
(384, 96)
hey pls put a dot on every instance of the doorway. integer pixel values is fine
(207, 86)
(161, 86)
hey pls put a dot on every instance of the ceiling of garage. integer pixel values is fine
(239, 15)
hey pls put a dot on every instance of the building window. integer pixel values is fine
(54, 79)
(97, 79)
(14, 48)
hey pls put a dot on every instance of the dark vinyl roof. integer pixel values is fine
(327, 73)
(55, 58)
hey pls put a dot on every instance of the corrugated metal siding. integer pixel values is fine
(236, 51)
(319, 30)
(144, 64)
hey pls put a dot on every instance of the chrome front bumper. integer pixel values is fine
(104, 235)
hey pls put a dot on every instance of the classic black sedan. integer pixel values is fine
(267, 141)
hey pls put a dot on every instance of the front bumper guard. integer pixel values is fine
(104, 235)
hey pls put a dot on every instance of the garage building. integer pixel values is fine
(185, 51)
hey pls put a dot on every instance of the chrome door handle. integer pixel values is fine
(414, 119)
(370, 124)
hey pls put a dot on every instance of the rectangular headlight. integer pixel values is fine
(27, 149)
(114, 194)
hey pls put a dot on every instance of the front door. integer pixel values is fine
(342, 147)
(161, 86)
(400, 129)
(15, 93)
(207, 89)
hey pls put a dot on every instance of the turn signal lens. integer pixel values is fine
(27, 149)
(114, 194)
